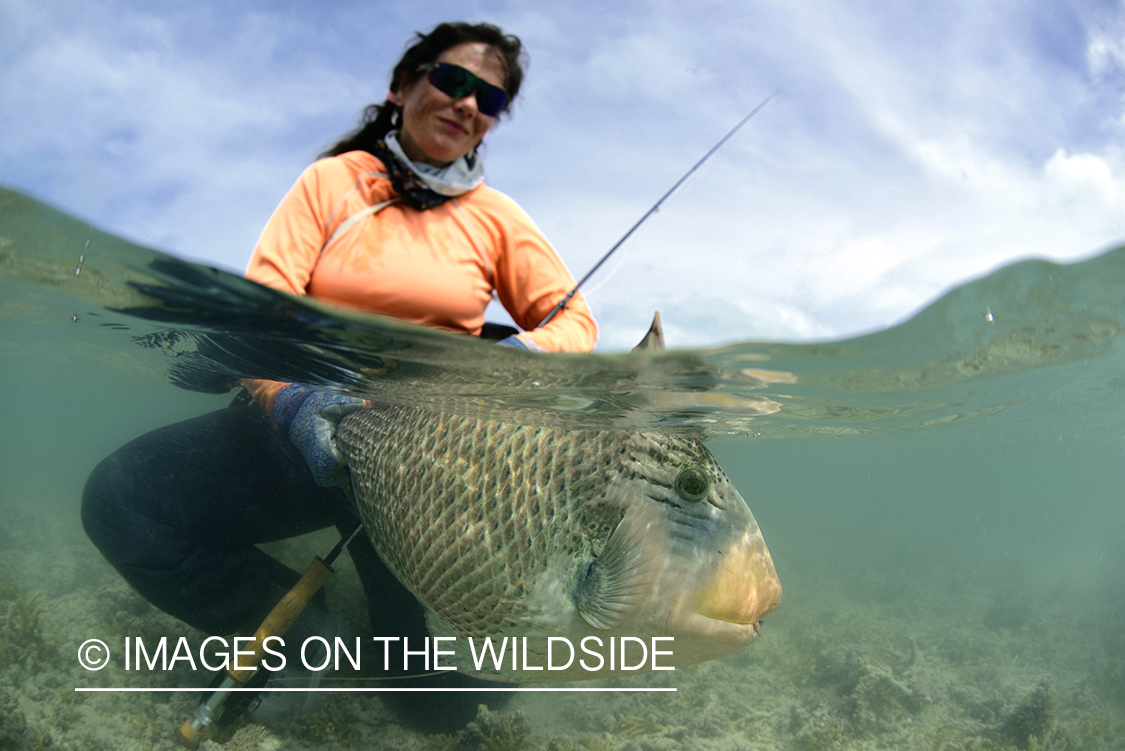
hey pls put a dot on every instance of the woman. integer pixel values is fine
(396, 220)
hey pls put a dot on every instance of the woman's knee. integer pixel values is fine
(102, 498)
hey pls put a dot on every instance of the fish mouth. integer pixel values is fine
(699, 574)
(716, 583)
(743, 587)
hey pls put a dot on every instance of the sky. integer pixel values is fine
(914, 145)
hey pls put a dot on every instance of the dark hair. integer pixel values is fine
(379, 119)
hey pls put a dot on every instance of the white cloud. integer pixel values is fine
(1084, 180)
(184, 146)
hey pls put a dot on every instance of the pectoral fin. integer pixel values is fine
(617, 581)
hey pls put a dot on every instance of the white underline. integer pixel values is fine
(372, 690)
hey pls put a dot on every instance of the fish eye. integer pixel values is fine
(692, 485)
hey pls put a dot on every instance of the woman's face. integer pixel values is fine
(437, 128)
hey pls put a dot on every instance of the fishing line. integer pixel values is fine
(626, 254)
(343, 543)
(655, 208)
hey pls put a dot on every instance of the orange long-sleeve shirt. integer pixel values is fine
(437, 267)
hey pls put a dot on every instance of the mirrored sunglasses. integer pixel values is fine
(455, 81)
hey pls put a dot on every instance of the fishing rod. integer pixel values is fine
(655, 207)
(276, 624)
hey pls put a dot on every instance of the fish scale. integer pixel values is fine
(469, 552)
(503, 529)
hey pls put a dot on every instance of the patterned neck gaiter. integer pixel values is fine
(406, 183)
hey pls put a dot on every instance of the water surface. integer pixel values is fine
(943, 499)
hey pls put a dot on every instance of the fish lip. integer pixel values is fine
(737, 622)
(755, 625)
(734, 635)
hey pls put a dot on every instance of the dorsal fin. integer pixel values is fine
(654, 339)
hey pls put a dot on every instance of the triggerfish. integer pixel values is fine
(505, 531)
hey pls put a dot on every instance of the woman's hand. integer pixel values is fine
(309, 419)
(515, 342)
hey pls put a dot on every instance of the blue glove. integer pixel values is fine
(309, 418)
(515, 342)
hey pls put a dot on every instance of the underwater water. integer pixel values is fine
(944, 501)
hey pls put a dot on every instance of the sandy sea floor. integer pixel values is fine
(854, 659)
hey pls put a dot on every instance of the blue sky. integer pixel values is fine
(914, 145)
